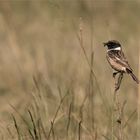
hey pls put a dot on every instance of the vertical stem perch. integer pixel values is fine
(138, 103)
(79, 131)
(118, 108)
(118, 114)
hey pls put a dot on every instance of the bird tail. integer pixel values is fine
(134, 78)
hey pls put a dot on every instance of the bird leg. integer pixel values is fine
(119, 80)
(115, 73)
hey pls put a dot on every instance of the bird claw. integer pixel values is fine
(114, 74)
(119, 120)
(119, 79)
(116, 87)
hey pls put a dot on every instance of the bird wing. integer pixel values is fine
(119, 58)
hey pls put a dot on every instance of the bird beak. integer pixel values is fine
(104, 44)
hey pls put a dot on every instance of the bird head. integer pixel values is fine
(112, 44)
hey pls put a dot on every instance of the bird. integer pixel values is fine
(117, 59)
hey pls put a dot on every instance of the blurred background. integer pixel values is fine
(41, 59)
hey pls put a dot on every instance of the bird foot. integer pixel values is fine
(117, 87)
(114, 74)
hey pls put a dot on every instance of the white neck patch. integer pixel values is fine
(114, 49)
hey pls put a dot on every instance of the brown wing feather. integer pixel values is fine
(117, 60)
(123, 60)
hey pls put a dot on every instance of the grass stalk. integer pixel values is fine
(54, 118)
(16, 127)
(53, 134)
(69, 119)
(34, 126)
(138, 102)
(80, 39)
(91, 96)
(79, 130)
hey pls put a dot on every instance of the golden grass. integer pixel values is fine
(55, 80)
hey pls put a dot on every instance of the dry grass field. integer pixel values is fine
(55, 82)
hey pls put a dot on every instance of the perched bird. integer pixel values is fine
(117, 60)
